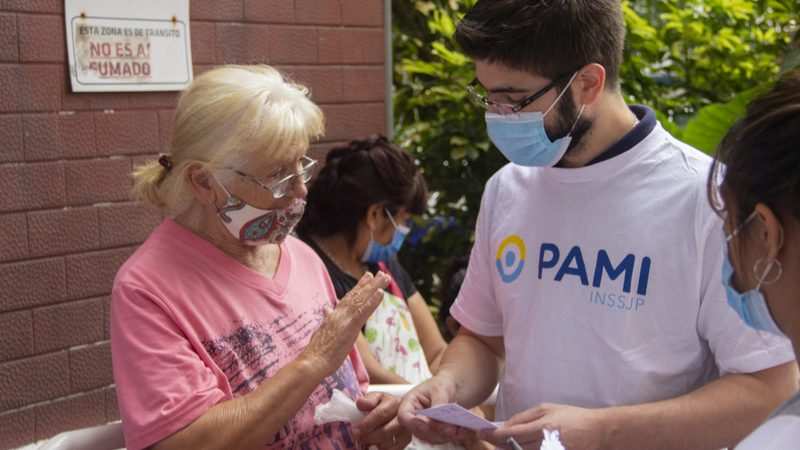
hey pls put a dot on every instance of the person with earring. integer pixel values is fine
(755, 187)
(593, 293)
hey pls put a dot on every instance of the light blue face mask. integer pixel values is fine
(751, 306)
(377, 252)
(522, 138)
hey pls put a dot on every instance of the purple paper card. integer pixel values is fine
(455, 414)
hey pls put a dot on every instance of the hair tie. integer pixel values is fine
(166, 162)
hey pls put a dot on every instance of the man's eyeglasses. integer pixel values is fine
(280, 184)
(480, 96)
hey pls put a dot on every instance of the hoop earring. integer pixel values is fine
(767, 264)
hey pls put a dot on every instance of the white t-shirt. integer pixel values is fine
(605, 282)
(780, 432)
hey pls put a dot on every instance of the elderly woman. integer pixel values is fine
(225, 330)
(758, 164)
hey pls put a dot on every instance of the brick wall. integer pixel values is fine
(66, 222)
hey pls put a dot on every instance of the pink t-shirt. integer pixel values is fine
(191, 327)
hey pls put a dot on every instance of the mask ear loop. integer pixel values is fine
(574, 124)
(770, 263)
(560, 94)
(391, 219)
(232, 203)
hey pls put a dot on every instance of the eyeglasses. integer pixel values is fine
(279, 185)
(480, 96)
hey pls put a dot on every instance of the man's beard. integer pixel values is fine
(567, 113)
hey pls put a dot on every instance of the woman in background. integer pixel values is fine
(758, 166)
(356, 219)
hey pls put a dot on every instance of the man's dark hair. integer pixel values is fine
(551, 38)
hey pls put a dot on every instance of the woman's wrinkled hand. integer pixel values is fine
(380, 428)
(335, 338)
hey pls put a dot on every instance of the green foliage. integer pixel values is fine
(682, 55)
(696, 62)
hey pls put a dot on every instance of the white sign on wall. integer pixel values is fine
(124, 45)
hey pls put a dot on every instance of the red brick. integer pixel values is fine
(325, 83)
(269, 11)
(11, 137)
(67, 230)
(106, 318)
(9, 46)
(41, 38)
(166, 122)
(323, 12)
(198, 69)
(222, 10)
(18, 429)
(126, 224)
(203, 42)
(98, 180)
(69, 324)
(153, 100)
(97, 101)
(41, 87)
(16, 335)
(39, 6)
(293, 45)
(351, 46)
(13, 237)
(32, 283)
(364, 84)
(126, 132)
(33, 380)
(92, 274)
(345, 122)
(90, 367)
(10, 80)
(320, 151)
(112, 408)
(58, 136)
(80, 411)
(367, 13)
(34, 186)
(242, 44)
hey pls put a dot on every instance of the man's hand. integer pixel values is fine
(436, 391)
(579, 428)
(380, 427)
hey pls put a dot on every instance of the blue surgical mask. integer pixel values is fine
(377, 252)
(522, 138)
(751, 306)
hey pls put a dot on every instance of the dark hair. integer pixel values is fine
(758, 161)
(356, 176)
(549, 38)
(448, 290)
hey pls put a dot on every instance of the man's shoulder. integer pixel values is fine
(694, 161)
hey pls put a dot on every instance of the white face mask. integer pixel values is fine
(254, 226)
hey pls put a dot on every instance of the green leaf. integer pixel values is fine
(707, 128)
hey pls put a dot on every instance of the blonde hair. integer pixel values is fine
(227, 116)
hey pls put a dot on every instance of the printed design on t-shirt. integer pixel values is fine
(510, 259)
(600, 274)
(254, 352)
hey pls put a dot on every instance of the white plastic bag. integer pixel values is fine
(551, 441)
(340, 408)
